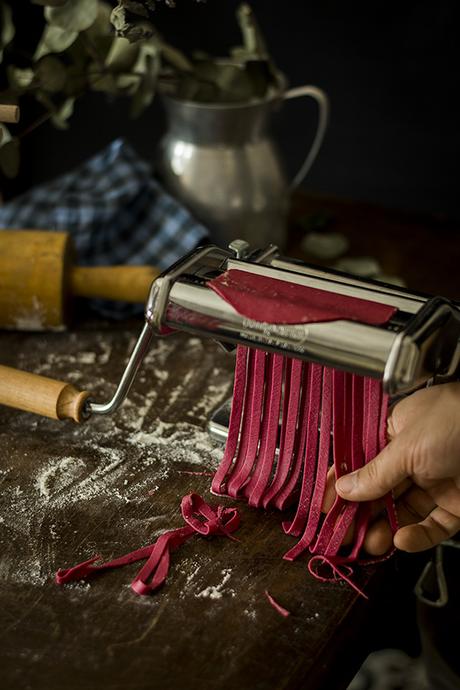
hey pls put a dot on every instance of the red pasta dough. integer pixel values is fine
(314, 412)
(200, 517)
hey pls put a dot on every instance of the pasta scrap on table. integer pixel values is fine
(200, 517)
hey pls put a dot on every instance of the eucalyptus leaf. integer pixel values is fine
(51, 74)
(119, 20)
(190, 88)
(101, 26)
(147, 62)
(122, 55)
(101, 80)
(7, 30)
(75, 15)
(147, 67)
(59, 111)
(175, 57)
(133, 30)
(50, 3)
(127, 83)
(18, 78)
(5, 134)
(9, 155)
(253, 40)
(54, 40)
(232, 81)
(62, 114)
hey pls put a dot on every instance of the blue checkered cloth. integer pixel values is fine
(116, 212)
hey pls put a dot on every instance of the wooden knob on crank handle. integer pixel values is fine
(41, 395)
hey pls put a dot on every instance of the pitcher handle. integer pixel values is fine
(323, 117)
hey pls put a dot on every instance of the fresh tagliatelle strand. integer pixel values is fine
(289, 432)
(257, 484)
(236, 412)
(289, 492)
(312, 462)
(251, 427)
(200, 517)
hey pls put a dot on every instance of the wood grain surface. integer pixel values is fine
(115, 484)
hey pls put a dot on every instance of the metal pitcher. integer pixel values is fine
(222, 162)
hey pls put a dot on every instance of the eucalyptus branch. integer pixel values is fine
(82, 48)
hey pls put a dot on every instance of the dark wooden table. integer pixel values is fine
(115, 484)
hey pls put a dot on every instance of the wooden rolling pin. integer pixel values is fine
(39, 394)
(9, 113)
(37, 279)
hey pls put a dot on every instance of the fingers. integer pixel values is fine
(424, 524)
(330, 492)
(375, 479)
(412, 506)
(435, 528)
(427, 517)
(446, 494)
(379, 538)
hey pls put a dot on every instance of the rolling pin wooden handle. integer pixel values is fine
(126, 283)
(41, 395)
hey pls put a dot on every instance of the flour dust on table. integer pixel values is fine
(114, 461)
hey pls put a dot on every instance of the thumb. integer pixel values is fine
(377, 478)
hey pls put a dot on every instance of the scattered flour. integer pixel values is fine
(57, 476)
(215, 591)
(33, 319)
(111, 461)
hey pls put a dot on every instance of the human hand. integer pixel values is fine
(421, 464)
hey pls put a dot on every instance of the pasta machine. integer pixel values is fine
(418, 342)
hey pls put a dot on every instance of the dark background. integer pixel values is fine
(391, 72)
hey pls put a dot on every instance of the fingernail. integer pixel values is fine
(347, 483)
